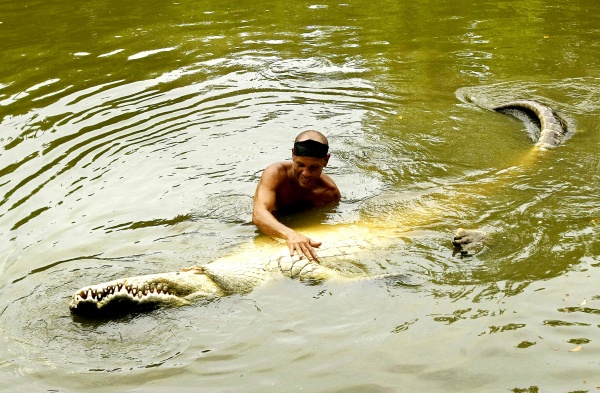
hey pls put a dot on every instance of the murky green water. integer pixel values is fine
(132, 136)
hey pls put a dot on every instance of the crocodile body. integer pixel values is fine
(242, 274)
(552, 128)
(237, 274)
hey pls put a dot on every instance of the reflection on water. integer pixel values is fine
(132, 137)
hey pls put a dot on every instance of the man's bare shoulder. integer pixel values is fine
(276, 173)
(277, 169)
(329, 192)
(279, 166)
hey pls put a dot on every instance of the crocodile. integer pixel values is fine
(242, 273)
(235, 274)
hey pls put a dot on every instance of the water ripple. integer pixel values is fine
(123, 144)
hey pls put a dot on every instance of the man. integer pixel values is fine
(295, 185)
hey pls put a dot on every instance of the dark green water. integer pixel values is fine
(132, 136)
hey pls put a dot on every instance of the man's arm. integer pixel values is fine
(262, 214)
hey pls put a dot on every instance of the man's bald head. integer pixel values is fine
(312, 134)
(311, 143)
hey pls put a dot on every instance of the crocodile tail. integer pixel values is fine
(552, 127)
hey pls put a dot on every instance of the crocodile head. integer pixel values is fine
(142, 292)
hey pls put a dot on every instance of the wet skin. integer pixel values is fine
(295, 185)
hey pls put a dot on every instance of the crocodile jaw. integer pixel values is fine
(142, 292)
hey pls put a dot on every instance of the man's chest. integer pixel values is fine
(288, 197)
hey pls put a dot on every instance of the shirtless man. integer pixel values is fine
(295, 185)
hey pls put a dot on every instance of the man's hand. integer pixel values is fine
(303, 246)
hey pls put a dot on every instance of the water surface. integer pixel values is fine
(132, 136)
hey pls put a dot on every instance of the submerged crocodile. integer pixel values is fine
(552, 132)
(243, 273)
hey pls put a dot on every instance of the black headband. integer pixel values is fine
(310, 148)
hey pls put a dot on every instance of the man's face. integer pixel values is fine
(308, 169)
